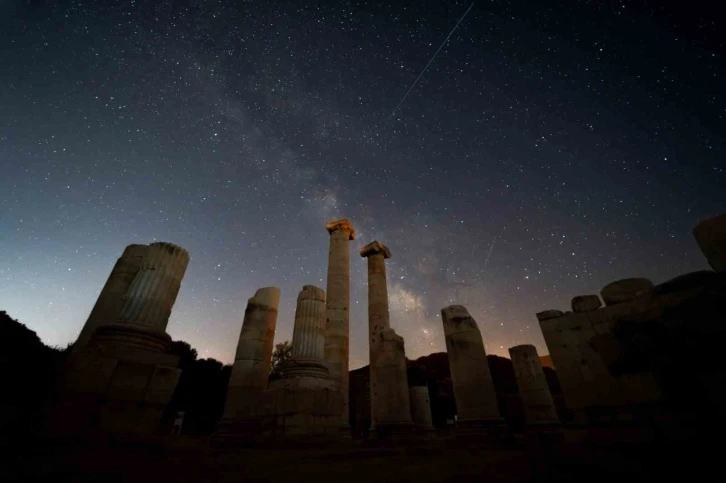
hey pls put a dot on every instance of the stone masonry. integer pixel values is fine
(539, 408)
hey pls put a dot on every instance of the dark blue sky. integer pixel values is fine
(546, 152)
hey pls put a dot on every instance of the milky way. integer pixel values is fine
(586, 139)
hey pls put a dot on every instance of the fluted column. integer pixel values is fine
(253, 359)
(111, 299)
(308, 338)
(153, 291)
(476, 400)
(337, 304)
(539, 407)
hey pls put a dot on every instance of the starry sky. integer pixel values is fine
(545, 152)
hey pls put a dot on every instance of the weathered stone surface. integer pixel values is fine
(391, 394)
(685, 282)
(123, 376)
(421, 406)
(539, 408)
(153, 291)
(384, 399)
(625, 290)
(549, 314)
(110, 300)
(710, 235)
(585, 303)
(337, 306)
(473, 387)
(254, 352)
(308, 338)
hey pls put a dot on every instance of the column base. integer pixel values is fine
(402, 432)
(119, 383)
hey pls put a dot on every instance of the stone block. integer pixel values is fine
(625, 290)
(585, 303)
(90, 373)
(130, 381)
(549, 314)
(162, 385)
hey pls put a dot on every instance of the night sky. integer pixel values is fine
(545, 152)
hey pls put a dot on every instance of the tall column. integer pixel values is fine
(153, 291)
(476, 400)
(378, 321)
(710, 235)
(110, 300)
(308, 337)
(253, 359)
(539, 407)
(337, 304)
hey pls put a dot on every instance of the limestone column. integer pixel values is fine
(337, 304)
(392, 399)
(539, 408)
(710, 235)
(110, 300)
(421, 407)
(476, 400)
(152, 293)
(378, 321)
(308, 337)
(253, 359)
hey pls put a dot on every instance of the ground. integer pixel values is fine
(193, 460)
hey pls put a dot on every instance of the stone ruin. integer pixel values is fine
(628, 363)
(612, 359)
(120, 375)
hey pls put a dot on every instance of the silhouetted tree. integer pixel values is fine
(282, 353)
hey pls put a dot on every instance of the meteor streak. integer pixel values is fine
(432, 59)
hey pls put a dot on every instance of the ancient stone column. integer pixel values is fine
(392, 400)
(110, 300)
(253, 359)
(378, 321)
(476, 401)
(710, 235)
(152, 293)
(539, 407)
(421, 407)
(337, 304)
(308, 337)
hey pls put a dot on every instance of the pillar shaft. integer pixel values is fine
(110, 300)
(337, 304)
(539, 407)
(473, 386)
(308, 338)
(153, 291)
(421, 406)
(253, 359)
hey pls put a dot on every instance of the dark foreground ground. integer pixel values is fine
(192, 460)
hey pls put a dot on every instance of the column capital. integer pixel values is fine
(344, 225)
(374, 248)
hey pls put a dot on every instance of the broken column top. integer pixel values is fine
(549, 314)
(585, 303)
(344, 225)
(523, 348)
(311, 292)
(373, 248)
(267, 296)
(135, 250)
(625, 290)
(457, 319)
(710, 235)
